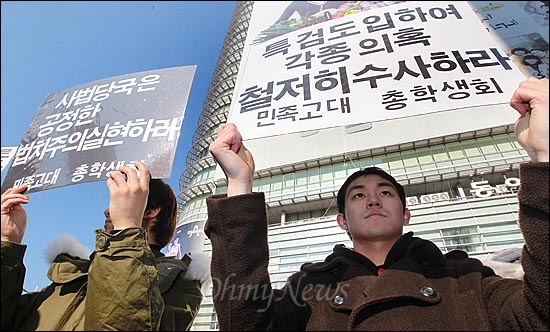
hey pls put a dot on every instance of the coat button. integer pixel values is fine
(428, 291)
(102, 242)
(338, 300)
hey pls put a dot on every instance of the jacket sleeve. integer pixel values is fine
(122, 291)
(242, 292)
(526, 307)
(182, 296)
(13, 276)
(533, 221)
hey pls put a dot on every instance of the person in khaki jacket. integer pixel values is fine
(127, 284)
(387, 280)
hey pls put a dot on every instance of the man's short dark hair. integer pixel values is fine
(161, 195)
(341, 198)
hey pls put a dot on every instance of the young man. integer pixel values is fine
(388, 280)
(127, 284)
(177, 278)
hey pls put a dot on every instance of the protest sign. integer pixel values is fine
(82, 133)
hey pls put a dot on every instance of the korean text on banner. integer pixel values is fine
(401, 60)
(80, 134)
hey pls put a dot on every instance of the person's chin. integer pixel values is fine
(108, 227)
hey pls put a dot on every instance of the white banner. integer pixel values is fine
(357, 64)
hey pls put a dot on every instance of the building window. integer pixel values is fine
(462, 238)
(214, 321)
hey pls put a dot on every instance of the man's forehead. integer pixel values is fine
(379, 180)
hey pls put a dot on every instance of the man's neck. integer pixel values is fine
(155, 246)
(375, 251)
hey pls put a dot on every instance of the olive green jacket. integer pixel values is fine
(117, 289)
(180, 291)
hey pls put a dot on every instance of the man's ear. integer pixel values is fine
(406, 216)
(342, 221)
(151, 213)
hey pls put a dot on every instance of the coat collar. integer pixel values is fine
(406, 248)
(66, 268)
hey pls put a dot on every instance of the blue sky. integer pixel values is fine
(49, 46)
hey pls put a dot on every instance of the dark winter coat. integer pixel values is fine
(420, 288)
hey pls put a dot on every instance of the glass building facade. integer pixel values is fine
(461, 188)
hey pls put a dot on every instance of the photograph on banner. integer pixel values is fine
(521, 27)
(396, 61)
(81, 134)
(294, 15)
(187, 239)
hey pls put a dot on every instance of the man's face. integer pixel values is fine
(373, 210)
(108, 224)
